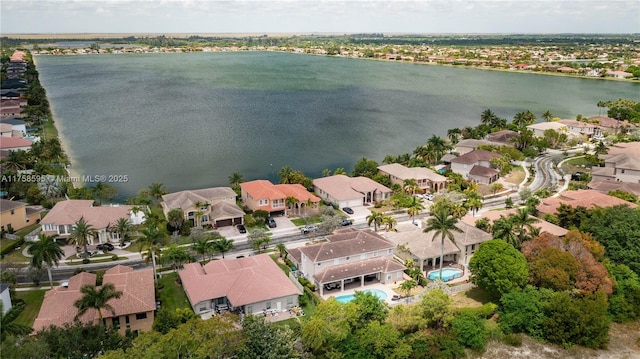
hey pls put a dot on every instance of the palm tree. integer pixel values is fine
(389, 222)
(122, 228)
(502, 228)
(410, 186)
(407, 286)
(16, 160)
(282, 249)
(601, 148)
(7, 322)
(93, 298)
(202, 246)
(286, 175)
(156, 190)
(151, 239)
(175, 256)
(444, 224)
(547, 115)
(523, 222)
(290, 201)
(81, 233)
(45, 250)
(414, 209)
(175, 217)
(454, 135)
(223, 245)
(487, 117)
(376, 219)
(235, 179)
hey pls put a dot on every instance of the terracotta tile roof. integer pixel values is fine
(138, 296)
(630, 148)
(475, 156)
(346, 243)
(188, 198)
(70, 211)
(403, 172)
(242, 280)
(606, 186)
(543, 225)
(342, 187)
(581, 198)
(298, 191)
(504, 136)
(12, 142)
(483, 171)
(359, 268)
(262, 189)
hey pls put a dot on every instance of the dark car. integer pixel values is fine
(347, 222)
(347, 210)
(105, 247)
(241, 228)
(271, 222)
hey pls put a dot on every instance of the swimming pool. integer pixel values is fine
(349, 297)
(447, 274)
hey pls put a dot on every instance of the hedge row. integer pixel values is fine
(8, 249)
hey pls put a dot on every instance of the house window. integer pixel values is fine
(12, 212)
(347, 258)
(126, 321)
(289, 300)
(116, 322)
(389, 251)
(375, 254)
(249, 309)
(62, 229)
(140, 316)
(388, 276)
(202, 309)
(268, 305)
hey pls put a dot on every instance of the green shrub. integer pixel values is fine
(513, 340)
(9, 248)
(485, 311)
(471, 331)
(114, 257)
(86, 261)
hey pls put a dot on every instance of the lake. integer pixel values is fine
(189, 120)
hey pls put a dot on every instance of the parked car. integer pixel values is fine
(241, 228)
(428, 196)
(309, 228)
(347, 222)
(271, 223)
(332, 285)
(105, 247)
(347, 210)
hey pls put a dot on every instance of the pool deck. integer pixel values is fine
(351, 290)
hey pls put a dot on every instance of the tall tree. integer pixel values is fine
(235, 179)
(487, 117)
(223, 245)
(81, 234)
(414, 209)
(122, 227)
(547, 115)
(175, 217)
(98, 299)
(286, 175)
(175, 256)
(151, 239)
(523, 222)
(444, 224)
(202, 246)
(46, 250)
(290, 202)
(375, 218)
(156, 190)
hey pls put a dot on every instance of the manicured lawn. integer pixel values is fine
(307, 220)
(33, 300)
(172, 296)
(28, 229)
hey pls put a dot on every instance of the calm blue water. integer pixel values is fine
(190, 120)
(347, 298)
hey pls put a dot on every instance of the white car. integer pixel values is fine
(309, 228)
(428, 196)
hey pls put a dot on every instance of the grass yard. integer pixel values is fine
(515, 176)
(306, 220)
(474, 297)
(172, 296)
(33, 300)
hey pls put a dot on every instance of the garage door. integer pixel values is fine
(351, 203)
(224, 222)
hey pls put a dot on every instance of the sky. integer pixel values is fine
(318, 16)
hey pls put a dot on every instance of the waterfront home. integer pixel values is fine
(215, 206)
(62, 217)
(410, 242)
(426, 179)
(621, 164)
(348, 256)
(344, 191)
(539, 128)
(264, 195)
(504, 137)
(15, 215)
(581, 128)
(248, 285)
(133, 311)
(467, 145)
(611, 125)
(18, 126)
(15, 144)
(476, 166)
(580, 198)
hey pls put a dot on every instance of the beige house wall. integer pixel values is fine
(15, 218)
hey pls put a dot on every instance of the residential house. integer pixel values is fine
(476, 166)
(345, 191)
(410, 242)
(264, 195)
(610, 125)
(5, 297)
(215, 206)
(539, 128)
(249, 285)
(348, 256)
(62, 217)
(426, 179)
(540, 224)
(468, 145)
(134, 310)
(581, 128)
(504, 137)
(619, 74)
(621, 164)
(15, 144)
(16, 215)
(580, 198)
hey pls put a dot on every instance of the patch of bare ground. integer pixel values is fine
(624, 343)
(474, 297)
